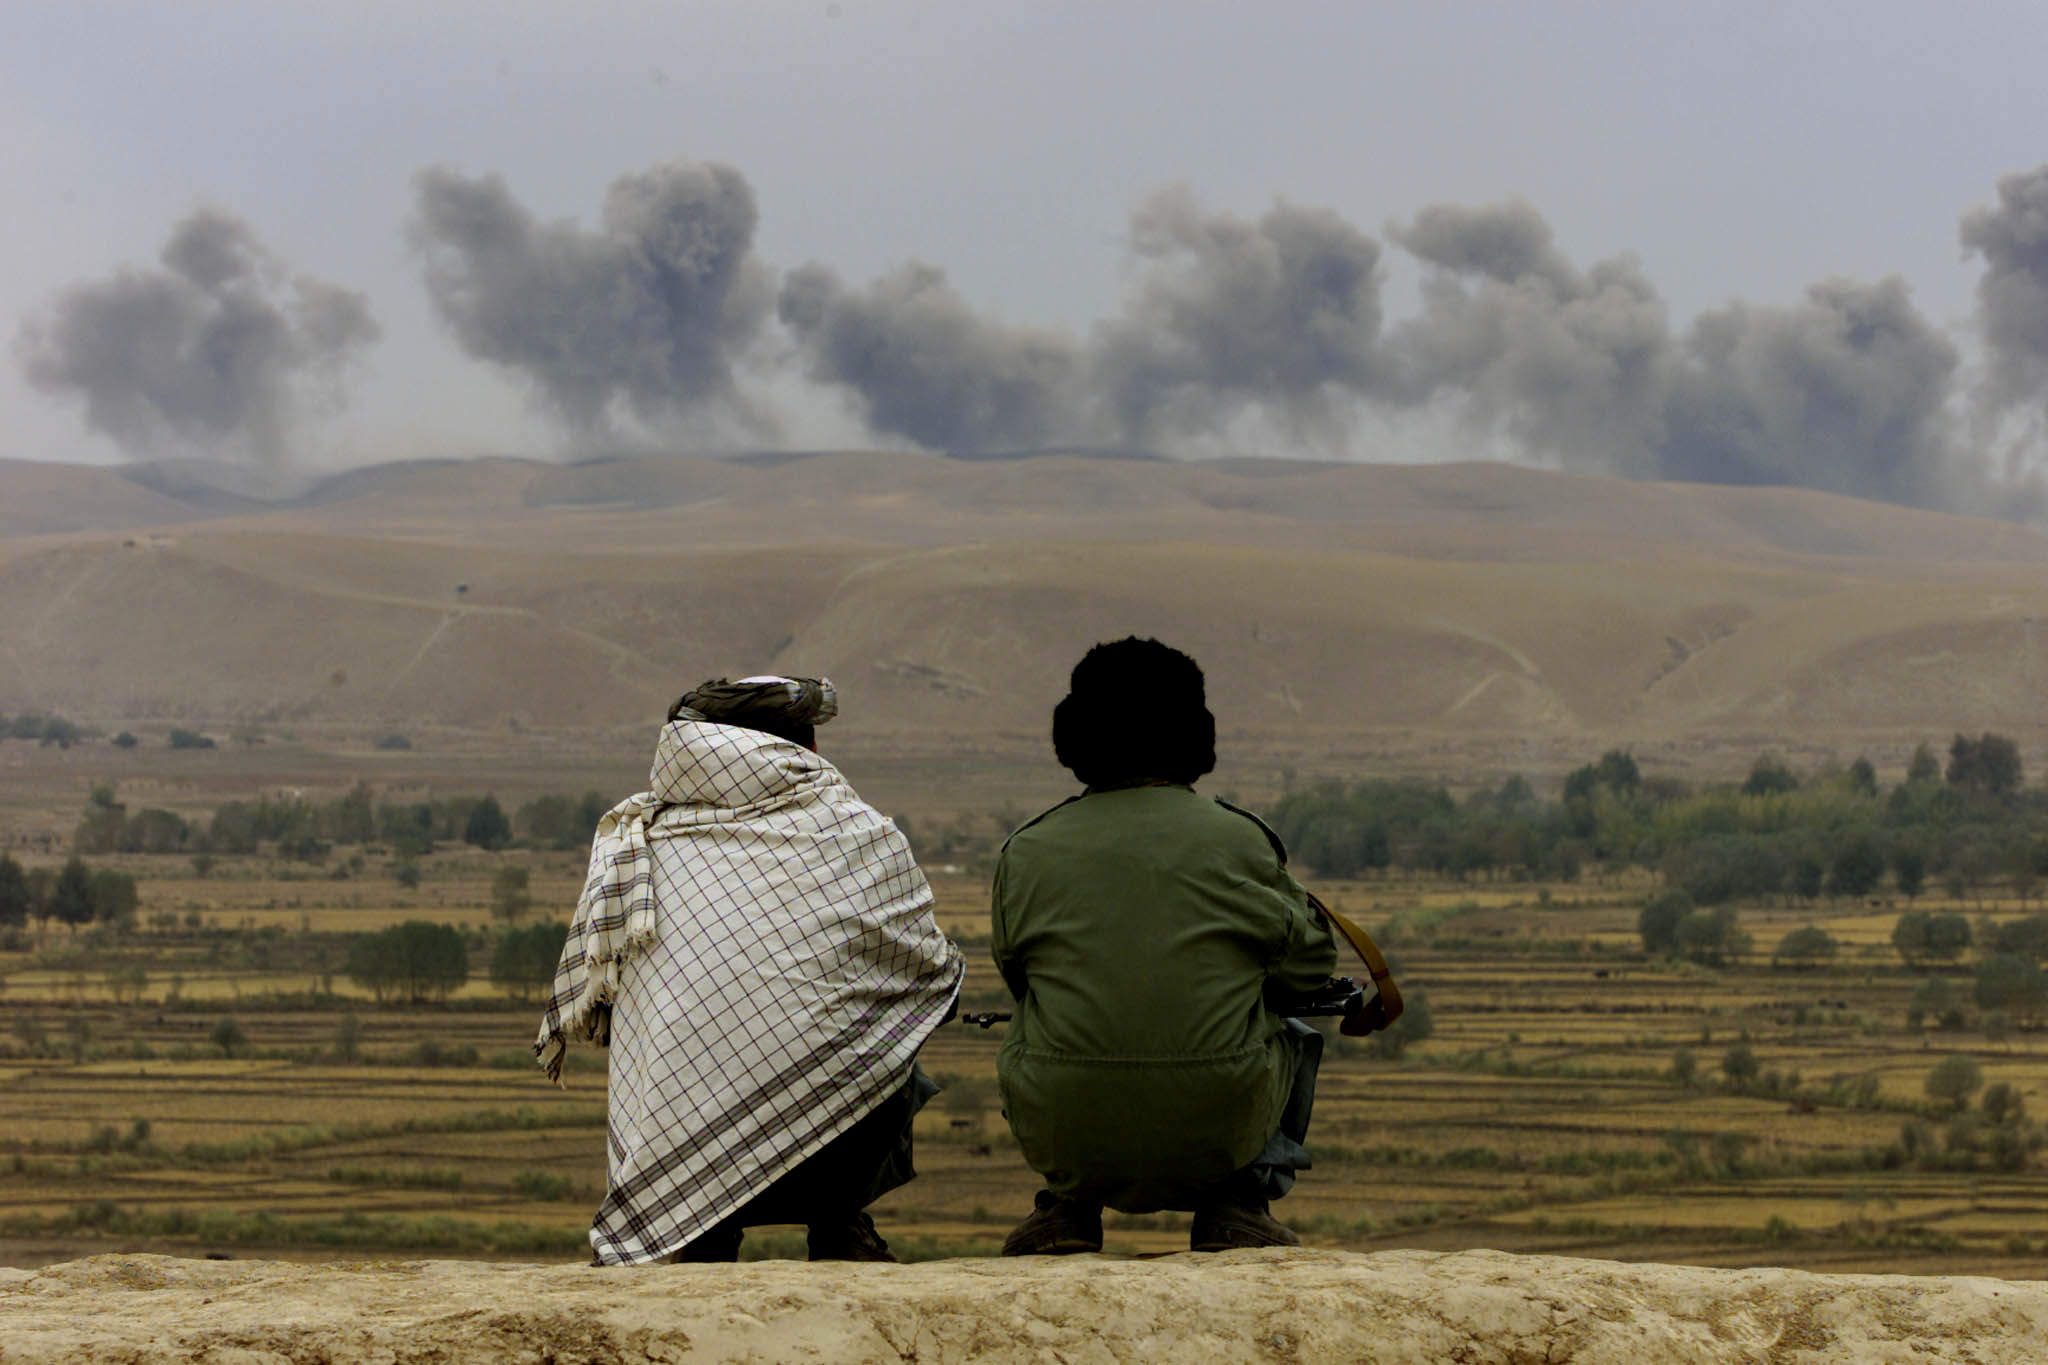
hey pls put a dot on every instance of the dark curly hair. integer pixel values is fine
(1135, 711)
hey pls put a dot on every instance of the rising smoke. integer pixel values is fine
(650, 310)
(923, 365)
(658, 317)
(223, 351)
(1570, 365)
(2012, 296)
(1849, 389)
(1281, 315)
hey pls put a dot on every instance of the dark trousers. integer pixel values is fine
(1271, 1173)
(848, 1173)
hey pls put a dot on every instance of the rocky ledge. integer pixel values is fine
(1475, 1306)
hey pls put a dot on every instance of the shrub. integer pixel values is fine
(1954, 1079)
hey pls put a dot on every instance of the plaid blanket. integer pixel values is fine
(756, 945)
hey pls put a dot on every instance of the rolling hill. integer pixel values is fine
(1338, 609)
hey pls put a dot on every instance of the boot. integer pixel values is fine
(1056, 1227)
(1226, 1226)
(852, 1238)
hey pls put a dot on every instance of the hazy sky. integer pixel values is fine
(1740, 151)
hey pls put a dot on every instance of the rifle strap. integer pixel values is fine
(1369, 953)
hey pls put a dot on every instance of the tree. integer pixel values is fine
(113, 897)
(227, 1035)
(14, 897)
(1805, 947)
(1858, 867)
(1416, 1024)
(1769, 776)
(1710, 936)
(2027, 937)
(1909, 870)
(1657, 924)
(71, 897)
(1947, 936)
(2002, 1102)
(509, 896)
(411, 961)
(1954, 1079)
(525, 960)
(1739, 1065)
(1806, 878)
(348, 1038)
(1990, 763)
(1924, 767)
(2012, 983)
(353, 818)
(1935, 998)
(1909, 937)
(487, 826)
(1862, 777)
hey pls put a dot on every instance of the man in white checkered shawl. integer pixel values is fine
(756, 945)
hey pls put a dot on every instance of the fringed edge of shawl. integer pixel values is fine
(591, 1019)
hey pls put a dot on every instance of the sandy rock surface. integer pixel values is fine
(1471, 1307)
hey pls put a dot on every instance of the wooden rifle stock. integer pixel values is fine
(1387, 1006)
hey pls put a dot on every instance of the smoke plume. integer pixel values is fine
(1568, 364)
(2012, 296)
(1281, 315)
(223, 351)
(923, 365)
(649, 310)
(1844, 391)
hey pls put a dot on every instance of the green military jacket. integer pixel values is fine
(1139, 929)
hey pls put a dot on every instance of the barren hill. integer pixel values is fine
(1337, 608)
(1402, 1306)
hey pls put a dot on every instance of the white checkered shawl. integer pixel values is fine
(760, 943)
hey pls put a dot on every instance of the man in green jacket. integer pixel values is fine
(1147, 933)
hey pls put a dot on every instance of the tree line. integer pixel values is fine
(304, 829)
(75, 894)
(419, 961)
(1967, 824)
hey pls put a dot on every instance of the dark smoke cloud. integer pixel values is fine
(924, 365)
(1844, 391)
(1281, 315)
(2012, 296)
(1232, 324)
(223, 351)
(650, 309)
(1569, 364)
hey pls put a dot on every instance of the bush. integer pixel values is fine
(1953, 1080)
(1805, 947)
